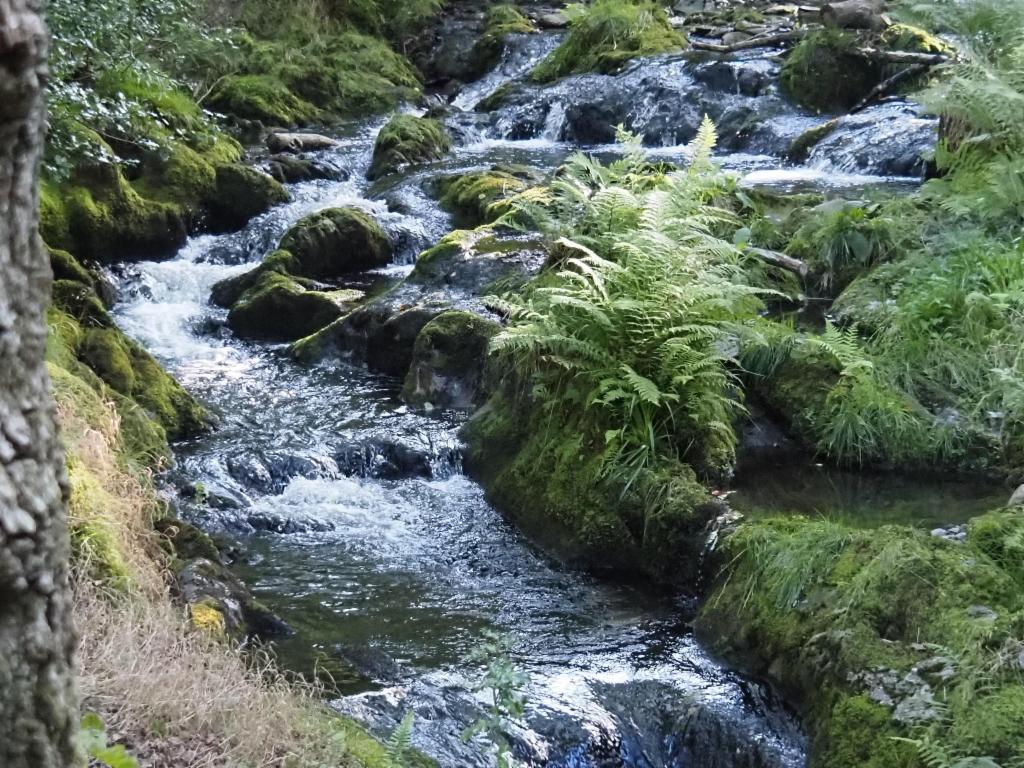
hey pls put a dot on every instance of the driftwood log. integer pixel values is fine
(780, 260)
(762, 41)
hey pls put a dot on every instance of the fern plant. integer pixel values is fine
(640, 325)
(399, 746)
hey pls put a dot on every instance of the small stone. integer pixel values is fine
(982, 612)
(555, 20)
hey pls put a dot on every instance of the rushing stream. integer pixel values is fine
(359, 528)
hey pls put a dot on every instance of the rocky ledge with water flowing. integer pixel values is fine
(390, 494)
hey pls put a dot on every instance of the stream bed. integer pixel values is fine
(357, 524)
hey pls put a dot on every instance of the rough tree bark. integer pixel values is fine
(38, 706)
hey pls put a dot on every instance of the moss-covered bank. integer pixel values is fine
(545, 470)
(407, 140)
(881, 635)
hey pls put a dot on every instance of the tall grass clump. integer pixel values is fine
(638, 326)
(606, 34)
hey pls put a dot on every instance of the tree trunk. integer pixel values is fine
(38, 705)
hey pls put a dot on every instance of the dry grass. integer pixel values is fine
(174, 696)
(178, 698)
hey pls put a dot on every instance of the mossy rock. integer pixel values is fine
(226, 292)
(825, 73)
(863, 628)
(336, 242)
(481, 197)
(278, 308)
(107, 352)
(241, 193)
(108, 220)
(448, 361)
(607, 35)
(502, 20)
(263, 98)
(80, 301)
(803, 144)
(906, 37)
(66, 267)
(408, 140)
(545, 470)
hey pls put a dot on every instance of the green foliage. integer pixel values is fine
(504, 684)
(399, 746)
(93, 739)
(825, 607)
(637, 326)
(606, 34)
(844, 240)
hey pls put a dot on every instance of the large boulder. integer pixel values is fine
(292, 169)
(336, 242)
(241, 194)
(826, 73)
(407, 140)
(480, 197)
(277, 307)
(448, 361)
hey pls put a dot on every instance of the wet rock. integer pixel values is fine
(219, 602)
(335, 242)
(448, 361)
(292, 169)
(824, 72)
(241, 194)
(478, 262)
(384, 459)
(407, 140)
(299, 142)
(954, 533)
(278, 308)
(553, 20)
(271, 522)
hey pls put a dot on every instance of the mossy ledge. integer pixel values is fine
(545, 471)
(880, 635)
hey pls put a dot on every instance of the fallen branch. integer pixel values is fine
(754, 42)
(903, 57)
(780, 260)
(884, 87)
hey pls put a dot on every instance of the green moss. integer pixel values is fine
(156, 391)
(481, 197)
(863, 628)
(263, 98)
(495, 99)
(228, 291)
(802, 145)
(241, 193)
(66, 267)
(906, 37)
(825, 73)
(335, 242)
(53, 216)
(94, 537)
(80, 302)
(408, 140)
(106, 352)
(606, 35)
(546, 471)
(859, 734)
(276, 307)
